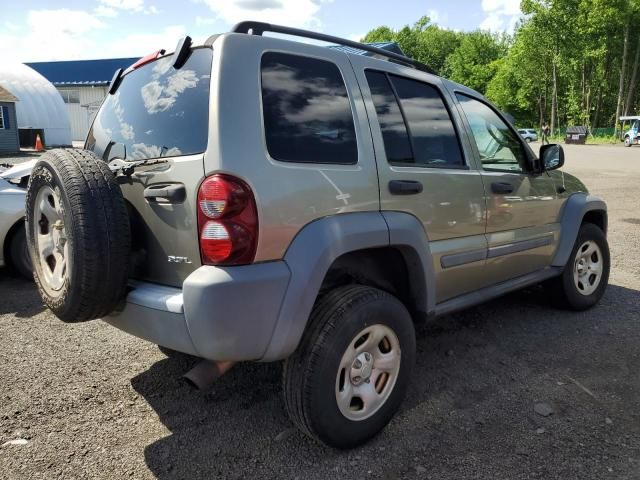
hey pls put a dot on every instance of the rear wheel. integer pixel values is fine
(350, 373)
(627, 141)
(78, 235)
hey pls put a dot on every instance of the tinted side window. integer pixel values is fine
(307, 114)
(157, 111)
(499, 147)
(435, 143)
(397, 145)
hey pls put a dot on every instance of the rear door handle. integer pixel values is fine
(165, 193)
(501, 187)
(405, 187)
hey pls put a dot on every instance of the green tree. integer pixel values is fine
(476, 60)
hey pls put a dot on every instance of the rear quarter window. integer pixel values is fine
(157, 111)
(306, 109)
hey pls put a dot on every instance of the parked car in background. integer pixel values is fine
(529, 134)
(13, 245)
(631, 136)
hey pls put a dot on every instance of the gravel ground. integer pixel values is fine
(93, 402)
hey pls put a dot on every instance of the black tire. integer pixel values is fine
(310, 374)
(96, 227)
(563, 289)
(627, 141)
(528, 140)
(19, 253)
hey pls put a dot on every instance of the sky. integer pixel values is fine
(47, 30)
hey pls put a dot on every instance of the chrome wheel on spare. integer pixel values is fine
(368, 371)
(587, 270)
(350, 372)
(51, 240)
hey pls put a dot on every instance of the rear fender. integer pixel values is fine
(321, 242)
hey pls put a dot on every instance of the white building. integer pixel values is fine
(83, 86)
(39, 108)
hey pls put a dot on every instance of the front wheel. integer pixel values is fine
(627, 141)
(586, 275)
(350, 373)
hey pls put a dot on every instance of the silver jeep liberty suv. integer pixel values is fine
(260, 199)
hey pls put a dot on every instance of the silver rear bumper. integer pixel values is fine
(221, 313)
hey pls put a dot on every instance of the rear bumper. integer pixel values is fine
(221, 313)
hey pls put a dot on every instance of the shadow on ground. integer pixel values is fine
(469, 411)
(18, 296)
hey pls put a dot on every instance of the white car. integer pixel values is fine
(13, 244)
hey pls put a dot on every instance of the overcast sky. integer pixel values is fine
(39, 30)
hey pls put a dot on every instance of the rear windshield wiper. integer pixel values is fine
(126, 167)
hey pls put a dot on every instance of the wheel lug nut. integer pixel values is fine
(357, 364)
(357, 379)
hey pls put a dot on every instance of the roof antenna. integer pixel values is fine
(183, 49)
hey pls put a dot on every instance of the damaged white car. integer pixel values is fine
(13, 244)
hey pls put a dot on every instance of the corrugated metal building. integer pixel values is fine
(9, 140)
(83, 85)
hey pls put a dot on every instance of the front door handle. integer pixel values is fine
(405, 187)
(501, 187)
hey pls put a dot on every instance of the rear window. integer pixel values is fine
(307, 114)
(157, 111)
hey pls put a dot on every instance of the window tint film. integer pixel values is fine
(157, 111)
(307, 115)
(394, 131)
(435, 143)
(497, 144)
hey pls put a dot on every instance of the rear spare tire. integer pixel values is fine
(78, 235)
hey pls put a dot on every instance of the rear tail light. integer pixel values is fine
(227, 221)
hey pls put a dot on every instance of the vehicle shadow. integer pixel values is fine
(18, 296)
(477, 377)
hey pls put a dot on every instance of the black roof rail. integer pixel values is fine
(258, 28)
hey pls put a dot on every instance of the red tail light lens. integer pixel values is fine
(227, 221)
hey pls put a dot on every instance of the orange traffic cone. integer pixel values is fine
(39, 147)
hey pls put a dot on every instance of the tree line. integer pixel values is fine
(568, 62)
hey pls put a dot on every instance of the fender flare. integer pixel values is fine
(571, 216)
(320, 243)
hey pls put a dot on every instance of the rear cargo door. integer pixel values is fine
(160, 113)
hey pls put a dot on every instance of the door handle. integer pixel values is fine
(501, 187)
(405, 187)
(167, 193)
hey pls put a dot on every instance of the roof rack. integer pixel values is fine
(258, 28)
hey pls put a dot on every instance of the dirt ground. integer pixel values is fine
(92, 402)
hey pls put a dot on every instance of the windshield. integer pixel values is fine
(157, 111)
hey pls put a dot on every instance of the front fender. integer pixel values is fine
(571, 216)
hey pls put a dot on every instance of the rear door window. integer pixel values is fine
(415, 123)
(306, 108)
(157, 111)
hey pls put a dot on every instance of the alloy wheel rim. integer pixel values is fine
(587, 267)
(368, 372)
(51, 240)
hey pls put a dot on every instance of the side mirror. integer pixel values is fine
(551, 156)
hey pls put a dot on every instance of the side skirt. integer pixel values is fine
(494, 291)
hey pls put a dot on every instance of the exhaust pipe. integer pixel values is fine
(205, 373)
